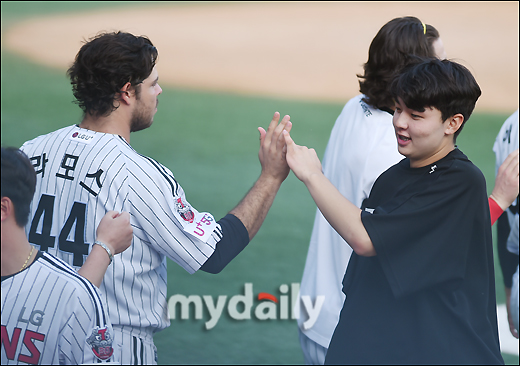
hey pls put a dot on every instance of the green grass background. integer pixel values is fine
(210, 142)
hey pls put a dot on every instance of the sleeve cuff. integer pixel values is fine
(495, 210)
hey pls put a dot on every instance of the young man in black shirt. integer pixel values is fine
(420, 283)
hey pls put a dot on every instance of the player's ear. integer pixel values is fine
(454, 123)
(126, 93)
(7, 208)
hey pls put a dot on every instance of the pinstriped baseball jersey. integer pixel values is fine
(51, 315)
(506, 142)
(81, 175)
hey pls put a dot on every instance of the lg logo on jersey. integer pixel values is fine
(10, 344)
(36, 317)
(269, 308)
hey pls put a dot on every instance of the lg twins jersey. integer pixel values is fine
(81, 175)
(505, 143)
(51, 315)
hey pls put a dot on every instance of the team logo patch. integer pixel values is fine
(101, 343)
(184, 209)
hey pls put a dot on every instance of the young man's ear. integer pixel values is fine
(453, 124)
(7, 208)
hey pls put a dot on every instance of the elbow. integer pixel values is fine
(213, 268)
(216, 270)
(365, 249)
(362, 244)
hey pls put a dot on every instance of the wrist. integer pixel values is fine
(108, 250)
(498, 201)
(313, 179)
(269, 179)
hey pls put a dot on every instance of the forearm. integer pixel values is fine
(341, 214)
(253, 208)
(234, 239)
(95, 265)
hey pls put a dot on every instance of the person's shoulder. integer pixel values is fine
(508, 134)
(63, 130)
(124, 153)
(129, 152)
(508, 129)
(462, 162)
(57, 265)
(146, 171)
(357, 108)
(512, 119)
(75, 283)
(136, 159)
(394, 172)
(401, 165)
(463, 169)
(354, 103)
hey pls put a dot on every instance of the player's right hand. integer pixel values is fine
(272, 152)
(115, 231)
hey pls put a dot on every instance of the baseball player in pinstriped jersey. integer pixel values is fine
(505, 146)
(42, 309)
(87, 169)
(50, 314)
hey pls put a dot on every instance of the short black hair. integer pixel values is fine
(18, 182)
(441, 84)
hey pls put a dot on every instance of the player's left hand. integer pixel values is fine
(272, 152)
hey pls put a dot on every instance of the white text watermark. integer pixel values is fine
(240, 307)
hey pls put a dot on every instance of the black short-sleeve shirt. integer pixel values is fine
(428, 296)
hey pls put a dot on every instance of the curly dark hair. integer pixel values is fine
(389, 52)
(18, 182)
(441, 84)
(104, 65)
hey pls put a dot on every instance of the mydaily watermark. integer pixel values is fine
(243, 307)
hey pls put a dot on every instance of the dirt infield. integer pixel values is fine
(303, 50)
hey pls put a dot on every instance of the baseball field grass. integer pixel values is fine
(210, 142)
